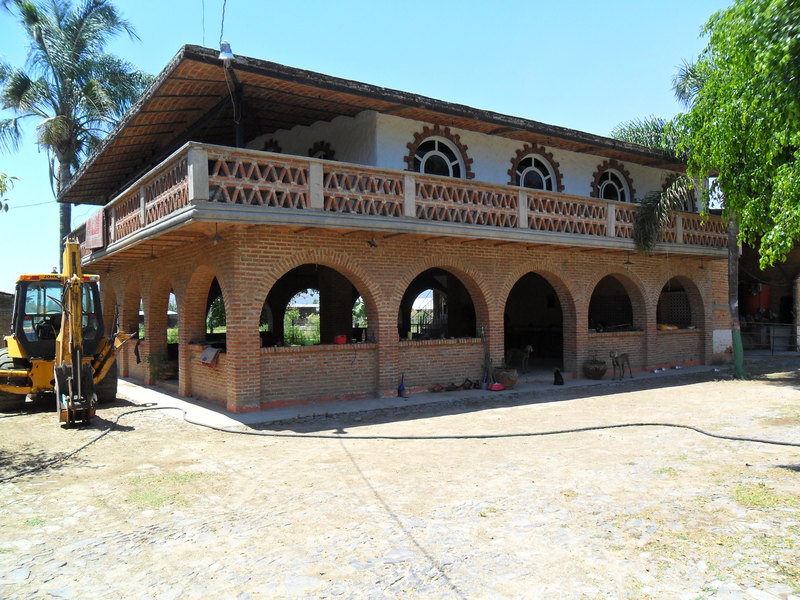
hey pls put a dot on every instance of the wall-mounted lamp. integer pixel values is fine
(628, 260)
(217, 237)
(701, 267)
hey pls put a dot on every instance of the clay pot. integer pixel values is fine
(594, 369)
(508, 377)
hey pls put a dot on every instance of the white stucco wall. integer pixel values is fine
(352, 139)
(382, 140)
(722, 340)
(491, 157)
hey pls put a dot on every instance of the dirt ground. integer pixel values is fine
(160, 508)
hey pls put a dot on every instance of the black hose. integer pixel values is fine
(328, 436)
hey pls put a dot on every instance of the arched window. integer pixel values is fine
(312, 304)
(611, 181)
(535, 168)
(610, 307)
(436, 305)
(611, 187)
(674, 308)
(535, 173)
(436, 151)
(436, 156)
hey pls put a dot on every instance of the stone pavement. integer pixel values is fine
(162, 509)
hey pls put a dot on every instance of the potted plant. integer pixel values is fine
(594, 368)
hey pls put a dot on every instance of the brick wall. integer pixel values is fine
(426, 362)
(676, 347)
(318, 373)
(631, 342)
(249, 261)
(208, 382)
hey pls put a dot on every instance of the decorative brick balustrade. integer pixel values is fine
(360, 191)
(458, 201)
(553, 212)
(200, 174)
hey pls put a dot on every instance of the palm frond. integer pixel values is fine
(53, 131)
(687, 83)
(653, 132)
(10, 134)
(656, 209)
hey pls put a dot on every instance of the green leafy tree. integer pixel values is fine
(744, 121)
(359, 313)
(72, 89)
(216, 314)
(657, 207)
(6, 185)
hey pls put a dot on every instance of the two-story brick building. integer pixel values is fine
(250, 181)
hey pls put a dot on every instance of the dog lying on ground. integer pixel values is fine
(519, 356)
(618, 362)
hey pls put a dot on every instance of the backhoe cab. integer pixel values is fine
(58, 343)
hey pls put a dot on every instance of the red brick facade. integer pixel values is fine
(250, 260)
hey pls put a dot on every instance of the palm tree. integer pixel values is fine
(69, 85)
(657, 207)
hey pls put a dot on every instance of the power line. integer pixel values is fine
(31, 205)
(222, 24)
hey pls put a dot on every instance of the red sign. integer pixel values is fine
(95, 227)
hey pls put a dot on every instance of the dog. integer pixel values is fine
(519, 355)
(558, 378)
(618, 362)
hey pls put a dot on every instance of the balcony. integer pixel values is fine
(215, 184)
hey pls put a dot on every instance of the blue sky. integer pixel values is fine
(580, 64)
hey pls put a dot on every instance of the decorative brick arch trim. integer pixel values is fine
(612, 165)
(472, 280)
(325, 148)
(271, 145)
(436, 131)
(339, 262)
(696, 304)
(527, 150)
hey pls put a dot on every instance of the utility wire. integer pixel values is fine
(222, 24)
(327, 436)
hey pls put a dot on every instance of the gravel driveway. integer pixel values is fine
(163, 509)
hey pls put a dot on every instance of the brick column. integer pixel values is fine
(156, 343)
(129, 321)
(191, 302)
(242, 309)
(335, 305)
(385, 332)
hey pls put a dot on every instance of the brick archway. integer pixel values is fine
(634, 288)
(339, 262)
(693, 294)
(567, 306)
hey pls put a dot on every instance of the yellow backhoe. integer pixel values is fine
(58, 344)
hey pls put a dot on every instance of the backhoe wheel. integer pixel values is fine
(8, 400)
(106, 389)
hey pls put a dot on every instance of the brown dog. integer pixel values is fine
(519, 355)
(618, 362)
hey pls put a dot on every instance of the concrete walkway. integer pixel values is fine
(210, 414)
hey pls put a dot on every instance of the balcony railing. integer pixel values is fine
(215, 176)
